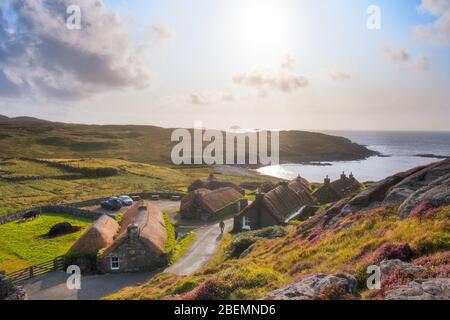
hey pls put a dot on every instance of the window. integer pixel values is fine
(115, 265)
(246, 223)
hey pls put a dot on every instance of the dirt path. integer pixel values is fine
(207, 240)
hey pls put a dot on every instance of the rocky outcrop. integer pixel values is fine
(408, 189)
(318, 286)
(435, 194)
(427, 289)
(387, 266)
(9, 291)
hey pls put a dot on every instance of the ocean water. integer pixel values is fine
(401, 149)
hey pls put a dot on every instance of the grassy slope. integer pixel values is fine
(274, 263)
(132, 177)
(147, 143)
(20, 245)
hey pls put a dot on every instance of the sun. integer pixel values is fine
(263, 26)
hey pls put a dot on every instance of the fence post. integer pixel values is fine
(31, 272)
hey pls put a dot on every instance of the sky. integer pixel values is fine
(274, 64)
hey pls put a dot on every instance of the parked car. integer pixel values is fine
(126, 200)
(112, 204)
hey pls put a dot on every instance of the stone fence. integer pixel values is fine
(75, 208)
(142, 195)
(52, 209)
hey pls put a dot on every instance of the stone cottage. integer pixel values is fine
(207, 205)
(338, 189)
(276, 207)
(140, 243)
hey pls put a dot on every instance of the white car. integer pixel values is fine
(126, 200)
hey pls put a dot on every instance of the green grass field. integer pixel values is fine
(132, 177)
(21, 245)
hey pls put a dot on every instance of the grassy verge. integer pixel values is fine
(181, 247)
(170, 229)
(21, 244)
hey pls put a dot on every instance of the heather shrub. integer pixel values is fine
(336, 292)
(439, 264)
(213, 289)
(391, 251)
(395, 278)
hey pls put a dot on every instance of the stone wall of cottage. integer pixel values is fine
(134, 256)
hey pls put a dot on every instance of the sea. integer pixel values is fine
(400, 152)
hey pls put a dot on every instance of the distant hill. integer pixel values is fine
(35, 138)
(5, 119)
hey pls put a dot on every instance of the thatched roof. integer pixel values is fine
(98, 236)
(212, 201)
(212, 184)
(150, 225)
(220, 198)
(189, 198)
(287, 198)
(283, 200)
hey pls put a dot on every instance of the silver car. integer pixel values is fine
(126, 200)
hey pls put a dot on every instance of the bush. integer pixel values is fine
(243, 241)
(62, 228)
(391, 251)
(86, 261)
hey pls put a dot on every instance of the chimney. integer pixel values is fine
(343, 176)
(326, 181)
(259, 196)
(133, 231)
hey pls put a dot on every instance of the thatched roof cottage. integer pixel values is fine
(140, 243)
(213, 184)
(277, 207)
(338, 189)
(207, 205)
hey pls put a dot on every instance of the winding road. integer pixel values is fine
(52, 286)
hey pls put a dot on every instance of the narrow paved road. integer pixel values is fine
(207, 239)
(52, 286)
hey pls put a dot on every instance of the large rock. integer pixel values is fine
(407, 189)
(435, 194)
(428, 289)
(387, 266)
(423, 178)
(314, 286)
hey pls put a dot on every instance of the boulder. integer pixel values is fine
(387, 266)
(427, 289)
(318, 286)
(420, 179)
(435, 194)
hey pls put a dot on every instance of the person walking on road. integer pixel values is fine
(222, 226)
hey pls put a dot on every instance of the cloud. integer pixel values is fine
(403, 59)
(340, 76)
(41, 57)
(263, 81)
(199, 99)
(437, 32)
